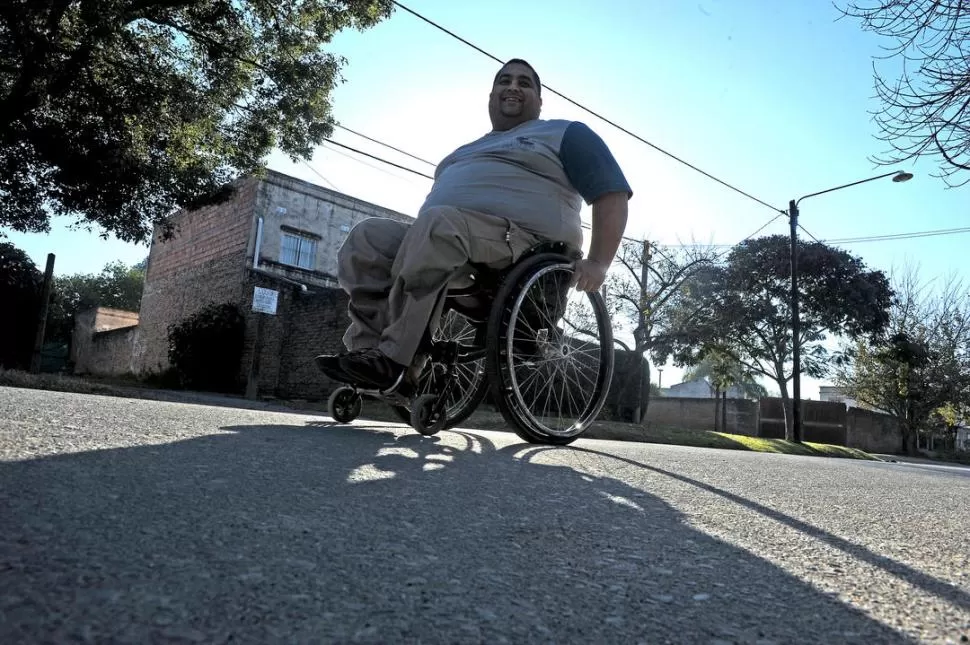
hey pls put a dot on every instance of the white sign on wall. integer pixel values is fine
(264, 300)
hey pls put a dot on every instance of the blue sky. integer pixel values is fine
(772, 97)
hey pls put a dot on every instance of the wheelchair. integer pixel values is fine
(542, 352)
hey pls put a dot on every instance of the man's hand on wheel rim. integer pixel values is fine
(588, 275)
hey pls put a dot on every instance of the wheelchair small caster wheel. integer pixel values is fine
(344, 404)
(423, 416)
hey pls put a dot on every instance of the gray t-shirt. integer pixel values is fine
(536, 175)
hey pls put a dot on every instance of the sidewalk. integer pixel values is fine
(904, 459)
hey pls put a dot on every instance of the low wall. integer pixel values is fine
(822, 421)
(113, 351)
(102, 341)
(873, 432)
(698, 414)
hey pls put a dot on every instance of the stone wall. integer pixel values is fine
(113, 349)
(287, 204)
(835, 423)
(315, 324)
(102, 341)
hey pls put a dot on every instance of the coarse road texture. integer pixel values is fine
(157, 522)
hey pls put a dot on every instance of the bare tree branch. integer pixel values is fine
(926, 112)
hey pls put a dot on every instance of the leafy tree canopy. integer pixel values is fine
(118, 111)
(742, 308)
(17, 270)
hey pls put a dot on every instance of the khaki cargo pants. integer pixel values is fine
(396, 273)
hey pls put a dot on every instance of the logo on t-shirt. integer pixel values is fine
(525, 142)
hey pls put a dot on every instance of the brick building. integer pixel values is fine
(278, 233)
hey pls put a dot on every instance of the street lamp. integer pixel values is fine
(898, 176)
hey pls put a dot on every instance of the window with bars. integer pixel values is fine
(298, 250)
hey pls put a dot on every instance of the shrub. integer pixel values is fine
(20, 289)
(206, 348)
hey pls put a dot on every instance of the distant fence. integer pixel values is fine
(822, 421)
(741, 415)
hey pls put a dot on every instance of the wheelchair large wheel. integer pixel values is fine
(550, 352)
(470, 385)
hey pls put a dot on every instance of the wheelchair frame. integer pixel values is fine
(488, 307)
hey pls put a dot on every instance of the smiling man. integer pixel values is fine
(492, 200)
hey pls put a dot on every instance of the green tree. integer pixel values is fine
(20, 283)
(118, 111)
(118, 286)
(919, 371)
(723, 371)
(924, 108)
(742, 308)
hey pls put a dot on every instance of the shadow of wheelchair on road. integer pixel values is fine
(364, 533)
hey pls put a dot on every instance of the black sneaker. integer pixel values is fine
(370, 369)
(329, 364)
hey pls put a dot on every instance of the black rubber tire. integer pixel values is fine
(456, 416)
(420, 412)
(344, 404)
(502, 390)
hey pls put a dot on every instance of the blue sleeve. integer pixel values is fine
(590, 165)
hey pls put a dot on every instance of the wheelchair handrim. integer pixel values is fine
(593, 407)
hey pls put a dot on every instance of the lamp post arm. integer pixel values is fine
(855, 183)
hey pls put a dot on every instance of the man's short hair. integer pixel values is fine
(535, 75)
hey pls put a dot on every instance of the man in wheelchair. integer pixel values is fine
(492, 200)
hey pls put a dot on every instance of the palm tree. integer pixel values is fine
(723, 372)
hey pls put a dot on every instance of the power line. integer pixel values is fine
(900, 236)
(390, 163)
(317, 173)
(386, 145)
(657, 246)
(763, 227)
(364, 162)
(586, 109)
(805, 231)
(852, 240)
(416, 172)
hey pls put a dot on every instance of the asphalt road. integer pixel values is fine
(153, 522)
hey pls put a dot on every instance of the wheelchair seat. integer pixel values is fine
(471, 294)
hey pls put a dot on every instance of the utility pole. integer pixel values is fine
(45, 300)
(641, 337)
(796, 404)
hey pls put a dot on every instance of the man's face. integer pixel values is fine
(514, 99)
